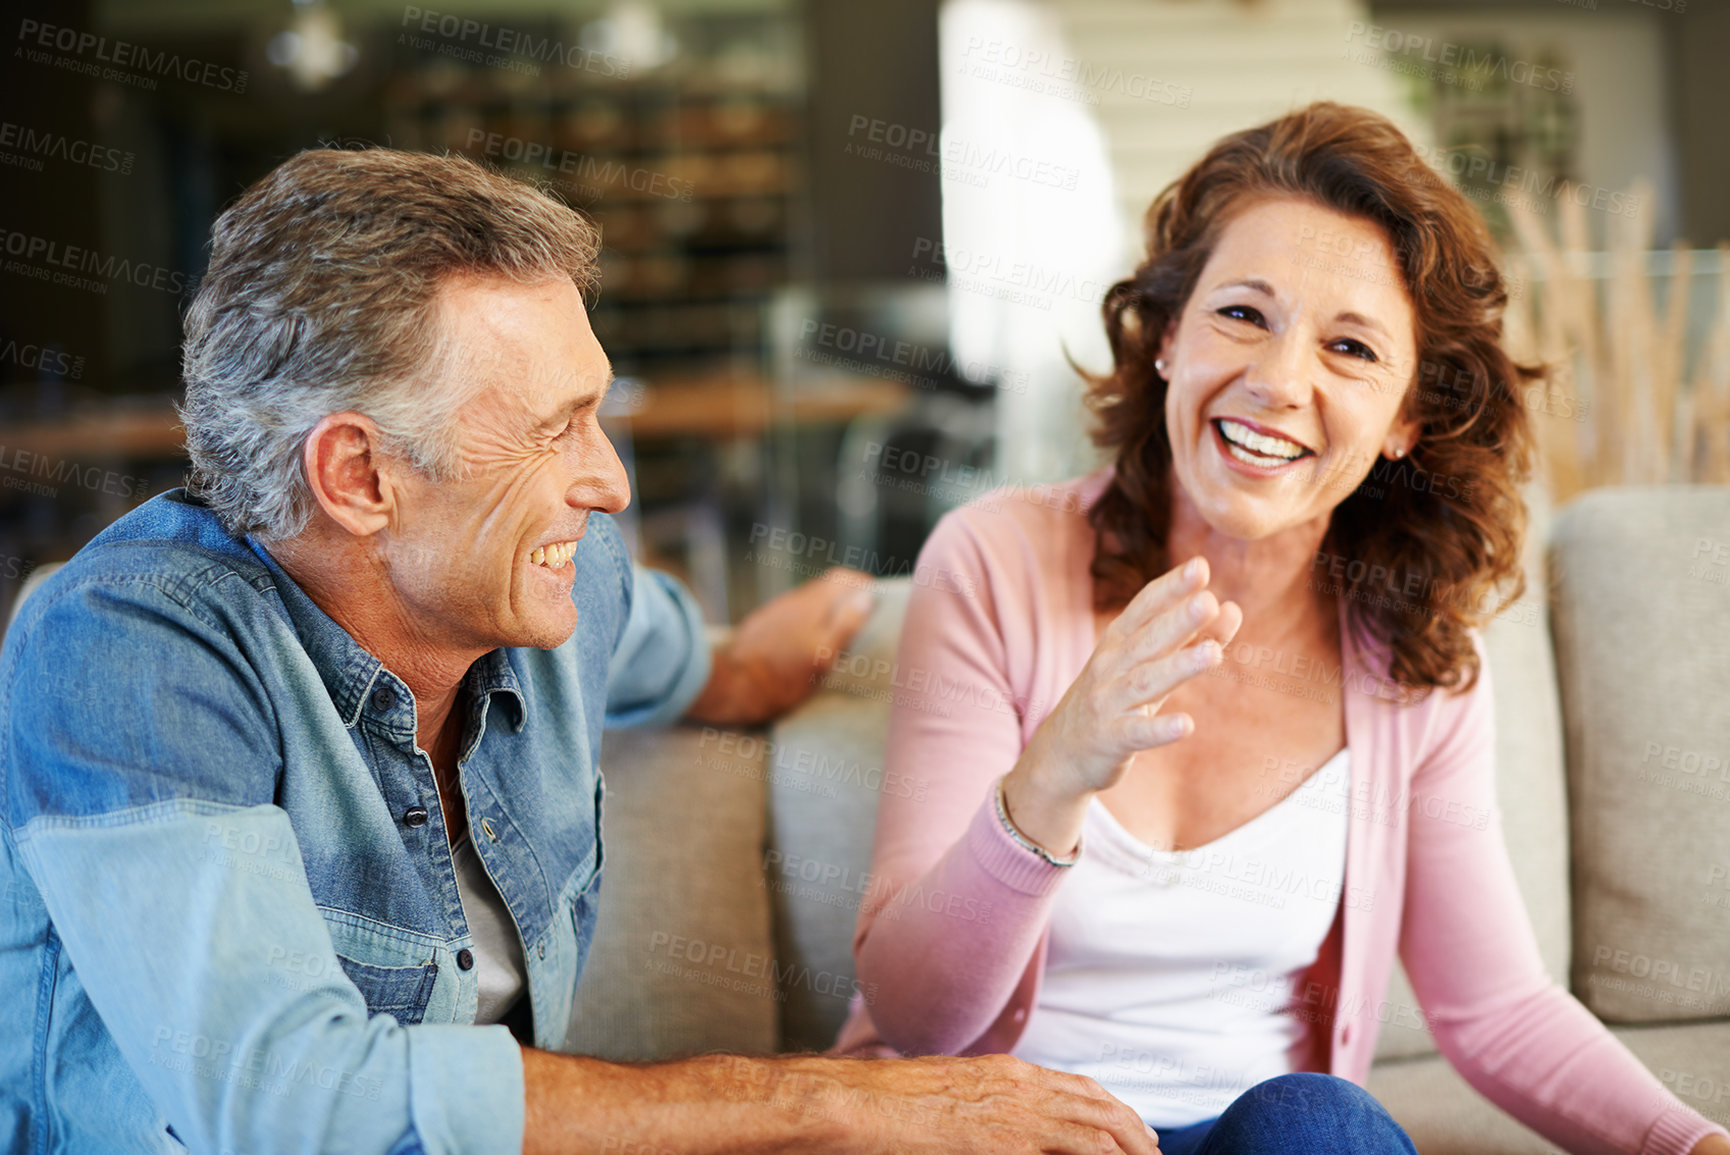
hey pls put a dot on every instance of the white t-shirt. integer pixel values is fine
(1170, 976)
(498, 950)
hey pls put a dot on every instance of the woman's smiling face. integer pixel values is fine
(1287, 367)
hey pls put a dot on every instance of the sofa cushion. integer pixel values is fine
(1642, 625)
(1531, 786)
(682, 958)
(1445, 1116)
(825, 777)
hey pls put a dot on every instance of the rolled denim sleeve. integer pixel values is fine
(662, 661)
(140, 806)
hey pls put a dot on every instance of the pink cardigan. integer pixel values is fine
(998, 626)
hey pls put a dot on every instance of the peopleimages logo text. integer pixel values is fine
(78, 259)
(509, 42)
(1478, 64)
(56, 146)
(124, 54)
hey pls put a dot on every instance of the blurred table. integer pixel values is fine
(733, 417)
(747, 407)
(750, 431)
(153, 433)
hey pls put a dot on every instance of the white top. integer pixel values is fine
(1171, 976)
(498, 950)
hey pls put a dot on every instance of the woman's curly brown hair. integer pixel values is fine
(1449, 556)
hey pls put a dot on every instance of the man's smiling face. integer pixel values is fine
(484, 561)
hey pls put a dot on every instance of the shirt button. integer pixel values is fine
(541, 951)
(1346, 1034)
(465, 959)
(383, 698)
(414, 816)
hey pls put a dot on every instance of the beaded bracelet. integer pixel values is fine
(1023, 841)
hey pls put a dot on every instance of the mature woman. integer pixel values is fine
(1250, 751)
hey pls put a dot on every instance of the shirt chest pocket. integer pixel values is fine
(401, 992)
(395, 970)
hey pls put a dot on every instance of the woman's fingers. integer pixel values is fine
(1178, 626)
(1160, 594)
(1224, 627)
(1173, 613)
(1154, 678)
(1151, 680)
(1194, 619)
(1174, 629)
(1139, 731)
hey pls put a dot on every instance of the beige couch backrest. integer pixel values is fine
(1643, 645)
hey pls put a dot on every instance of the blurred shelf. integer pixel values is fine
(692, 171)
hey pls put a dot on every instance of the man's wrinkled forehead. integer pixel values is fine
(541, 392)
(540, 365)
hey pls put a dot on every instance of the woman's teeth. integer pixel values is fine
(553, 556)
(1258, 449)
(1246, 456)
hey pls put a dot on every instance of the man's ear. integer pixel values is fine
(343, 468)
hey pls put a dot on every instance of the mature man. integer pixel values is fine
(300, 767)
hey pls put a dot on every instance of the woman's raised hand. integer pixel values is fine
(1171, 631)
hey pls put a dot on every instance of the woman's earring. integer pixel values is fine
(1159, 366)
(1399, 453)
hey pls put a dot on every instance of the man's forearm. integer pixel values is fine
(812, 1105)
(715, 1104)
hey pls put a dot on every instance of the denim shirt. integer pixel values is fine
(228, 914)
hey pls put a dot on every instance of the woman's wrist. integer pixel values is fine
(1023, 841)
(1046, 813)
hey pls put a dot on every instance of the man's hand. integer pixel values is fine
(808, 1105)
(995, 1105)
(773, 659)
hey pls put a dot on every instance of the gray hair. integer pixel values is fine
(321, 297)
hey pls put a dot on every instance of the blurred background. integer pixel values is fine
(854, 252)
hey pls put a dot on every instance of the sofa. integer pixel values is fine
(735, 861)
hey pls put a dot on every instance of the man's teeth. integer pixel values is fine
(1255, 448)
(553, 556)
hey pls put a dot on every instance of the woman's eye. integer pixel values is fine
(1355, 349)
(1242, 313)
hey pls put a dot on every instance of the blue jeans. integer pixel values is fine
(1301, 1114)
